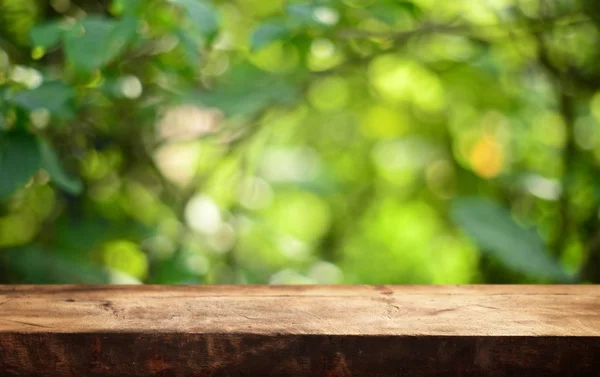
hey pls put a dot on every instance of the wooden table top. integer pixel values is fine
(299, 330)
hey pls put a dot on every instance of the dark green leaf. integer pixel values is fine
(19, 161)
(301, 15)
(32, 264)
(170, 271)
(53, 96)
(93, 42)
(267, 33)
(409, 7)
(47, 34)
(120, 36)
(56, 172)
(85, 44)
(246, 90)
(77, 238)
(493, 228)
(191, 47)
(305, 15)
(202, 14)
(394, 12)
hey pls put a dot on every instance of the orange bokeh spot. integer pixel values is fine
(487, 157)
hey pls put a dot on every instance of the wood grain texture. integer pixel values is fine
(299, 331)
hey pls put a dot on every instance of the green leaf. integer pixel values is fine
(19, 161)
(170, 271)
(393, 12)
(267, 33)
(47, 34)
(85, 44)
(493, 228)
(302, 15)
(410, 7)
(53, 96)
(127, 7)
(79, 238)
(3, 108)
(245, 91)
(122, 34)
(191, 47)
(383, 13)
(95, 41)
(202, 14)
(305, 16)
(56, 172)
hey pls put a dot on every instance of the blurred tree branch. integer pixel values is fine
(565, 81)
(467, 30)
(569, 158)
(591, 264)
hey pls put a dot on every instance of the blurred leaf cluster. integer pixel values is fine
(330, 141)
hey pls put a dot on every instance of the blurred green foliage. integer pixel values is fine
(348, 141)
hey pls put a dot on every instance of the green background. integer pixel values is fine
(252, 141)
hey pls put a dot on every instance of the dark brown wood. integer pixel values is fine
(300, 331)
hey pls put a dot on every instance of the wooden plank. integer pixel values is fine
(299, 331)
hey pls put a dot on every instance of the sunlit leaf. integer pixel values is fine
(51, 163)
(19, 161)
(267, 33)
(127, 257)
(494, 230)
(17, 17)
(127, 7)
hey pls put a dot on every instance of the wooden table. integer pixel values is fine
(299, 331)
